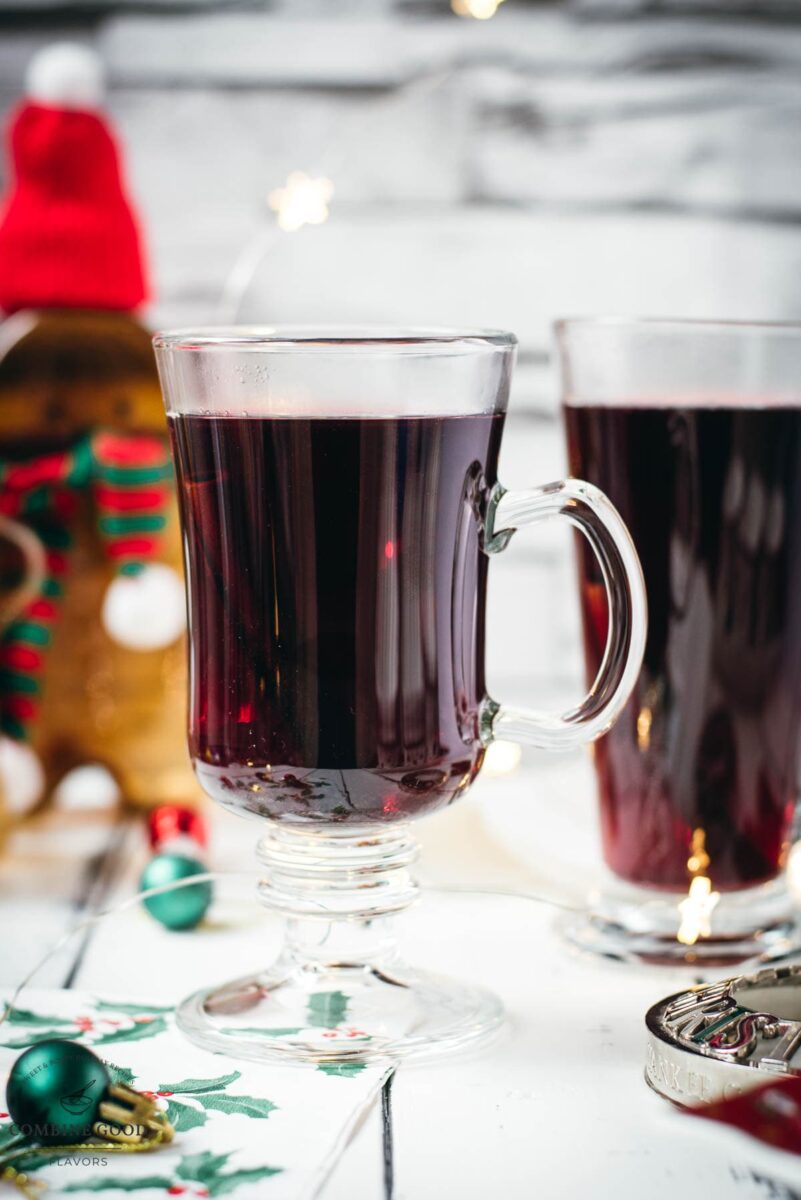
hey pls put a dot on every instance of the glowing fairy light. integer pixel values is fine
(502, 758)
(696, 911)
(644, 721)
(480, 10)
(303, 200)
(699, 860)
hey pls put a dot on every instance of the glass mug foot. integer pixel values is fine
(294, 1013)
(339, 993)
(636, 924)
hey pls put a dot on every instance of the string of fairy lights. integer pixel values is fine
(305, 198)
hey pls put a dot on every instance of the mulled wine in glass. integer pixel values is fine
(340, 505)
(694, 430)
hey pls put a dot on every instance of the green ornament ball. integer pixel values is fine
(54, 1091)
(185, 907)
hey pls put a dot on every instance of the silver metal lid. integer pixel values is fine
(718, 1040)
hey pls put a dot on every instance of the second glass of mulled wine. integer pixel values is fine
(694, 431)
(340, 505)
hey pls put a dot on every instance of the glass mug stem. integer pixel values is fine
(588, 509)
(339, 892)
(339, 873)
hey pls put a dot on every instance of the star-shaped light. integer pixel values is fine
(303, 200)
(480, 10)
(696, 911)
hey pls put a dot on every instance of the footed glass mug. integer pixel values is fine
(693, 428)
(339, 503)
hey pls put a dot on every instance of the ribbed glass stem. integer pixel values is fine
(356, 874)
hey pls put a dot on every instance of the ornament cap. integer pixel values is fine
(128, 1117)
(170, 823)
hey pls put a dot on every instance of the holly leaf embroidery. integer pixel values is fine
(201, 1085)
(185, 1116)
(327, 1009)
(135, 1033)
(346, 1069)
(222, 1185)
(202, 1167)
(12, 1139)
(208, 1169)
(132, 1010)
(26, 1016)
(35, 1161)
(102, 1183)
(44, 1036)
(210, 1095)
(248, 1106)
(121, 1074)
(8, 1133)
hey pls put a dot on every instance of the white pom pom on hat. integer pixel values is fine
(66, 75)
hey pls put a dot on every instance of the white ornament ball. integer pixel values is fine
(22, 777)
(66, 75)
(145, 611)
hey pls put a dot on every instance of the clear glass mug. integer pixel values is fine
(693, 429)
(340, 503)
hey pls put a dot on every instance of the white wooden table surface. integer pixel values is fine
(556, 1107)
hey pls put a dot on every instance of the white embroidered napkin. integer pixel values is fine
(243, 1129)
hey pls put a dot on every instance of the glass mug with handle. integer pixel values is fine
(339, 503)
(693, 428)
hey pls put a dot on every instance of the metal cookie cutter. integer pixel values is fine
(717, 1040)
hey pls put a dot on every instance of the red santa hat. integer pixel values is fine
(69, 237)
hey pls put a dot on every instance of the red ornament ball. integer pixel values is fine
(172, 821)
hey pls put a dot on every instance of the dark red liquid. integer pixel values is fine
(336, 606)
(701, 767)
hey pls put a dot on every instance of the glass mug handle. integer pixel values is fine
(589, 510)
